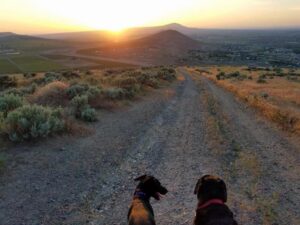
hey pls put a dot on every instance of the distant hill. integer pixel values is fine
(163, 47)
(128, 34)
(144, 31)
(170, 40)
(6, 34)
(28, 43)
(84, 36)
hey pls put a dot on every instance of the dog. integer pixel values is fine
(141, 211)
(211, 193)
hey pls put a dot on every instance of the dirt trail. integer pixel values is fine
(177, 134)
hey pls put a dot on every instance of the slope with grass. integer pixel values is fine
(274, 92)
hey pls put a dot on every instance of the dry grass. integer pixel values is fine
(278, 99)
(52, 94)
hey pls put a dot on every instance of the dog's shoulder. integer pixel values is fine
(141, 212)
(215, 214)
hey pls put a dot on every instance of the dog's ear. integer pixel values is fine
(140, 178)
(199, 183)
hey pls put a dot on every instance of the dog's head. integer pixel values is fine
(210, 187)
(151, 186)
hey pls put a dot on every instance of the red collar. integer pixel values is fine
(210, 202)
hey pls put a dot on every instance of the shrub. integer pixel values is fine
(22, 91)
(79, 103)
(52, 94)
(93, 92)
(125, 81)
(29, 75)
(292, 78)
(167, 74)
(7, 82)
(131, 91)
(263, 76)
(70, 75)
(114, 93)
(82, 110)
(88, 114)
(88, 72)
(76, 89)
(14, 91)
(33, 121)
(10, 102)
(220, 76)
(148, 80)
(261, 81)
(278, 70)
(50, 77)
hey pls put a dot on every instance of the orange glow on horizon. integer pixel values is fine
(44, 16)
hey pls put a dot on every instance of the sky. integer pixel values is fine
(53, 16)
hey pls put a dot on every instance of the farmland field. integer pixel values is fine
(7, 67)
(36, 64)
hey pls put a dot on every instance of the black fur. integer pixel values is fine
(207, 188)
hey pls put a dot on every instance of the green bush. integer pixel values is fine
(125, 81)
(76, 89)
(51, 76)
(114, 93)
(93, 92)
(82, 110)
(10, 102)
(33, 121)
(79, 103)
(148, 80)
(88, 114)
(167, 74)
(21, 91)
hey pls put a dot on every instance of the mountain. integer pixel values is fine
(165, 47)
(170, 40)
(144, 31)
(128, 34)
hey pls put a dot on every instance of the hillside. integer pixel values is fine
(163, 47)
(28, 43)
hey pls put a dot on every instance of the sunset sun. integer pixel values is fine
(113, 15)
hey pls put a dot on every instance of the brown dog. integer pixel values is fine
(212, 194)
(141, 212)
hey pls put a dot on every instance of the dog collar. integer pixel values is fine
(214, 201)
(141, 195)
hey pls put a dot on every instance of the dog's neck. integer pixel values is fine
(214, 201)
(139, 194)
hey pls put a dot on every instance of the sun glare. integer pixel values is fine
(114, 15)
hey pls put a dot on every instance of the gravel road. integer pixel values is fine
(178, 134)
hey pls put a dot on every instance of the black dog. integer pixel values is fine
(212, 194)
(141, 212)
